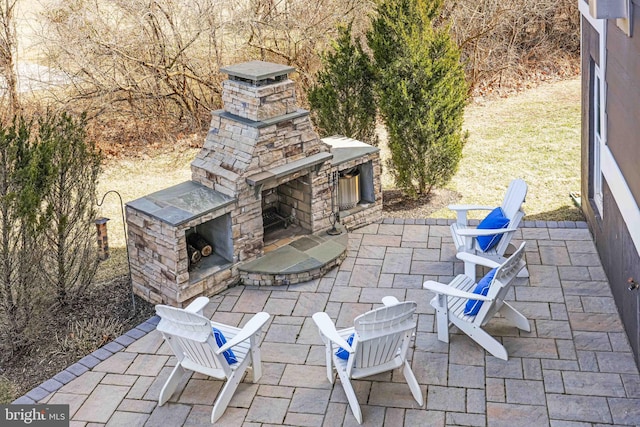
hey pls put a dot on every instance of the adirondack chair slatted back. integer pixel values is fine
(380, 333)
(514, 197)
(499, 287)
(505, 241)
(191, 337)
(512, 208)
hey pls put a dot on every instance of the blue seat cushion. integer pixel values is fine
(342, 353)
(482, 288)
(495, 220)
(221, 340)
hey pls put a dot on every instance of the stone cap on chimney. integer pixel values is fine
(258, 73)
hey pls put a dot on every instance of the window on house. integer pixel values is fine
(597, 107)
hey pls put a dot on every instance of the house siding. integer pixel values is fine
(623, 101)
(613, 239)
(620, 261)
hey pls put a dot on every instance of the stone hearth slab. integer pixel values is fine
(308, 255)
(276, 261)
(327, 251)
(345, 149)
(304, 265)
(304, 243)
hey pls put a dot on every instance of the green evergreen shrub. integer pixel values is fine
(71, 259)
(421, 92)
(342, 102)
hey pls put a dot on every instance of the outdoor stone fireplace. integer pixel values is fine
(262, 168)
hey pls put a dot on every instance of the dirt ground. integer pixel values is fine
(395, 205)
(102, 315)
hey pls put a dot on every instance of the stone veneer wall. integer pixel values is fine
(321, 198)
(234, 150)
(159, 265)
(259, 103)
(372, 213)
(266, 279)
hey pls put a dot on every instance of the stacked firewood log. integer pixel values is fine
(197, 247)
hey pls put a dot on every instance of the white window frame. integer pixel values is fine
(598, 98)
(598, 141)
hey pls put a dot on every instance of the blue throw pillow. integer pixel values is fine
(482, 288)
(493, 221)
(342, 353)
(221, 340)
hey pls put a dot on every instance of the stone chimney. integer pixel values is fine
(260, 128)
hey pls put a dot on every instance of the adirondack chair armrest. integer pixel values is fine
(478, 260)
(470, 207)
(253, 326)
(461, 211)
(474, 232)
(441, 288)
(328, 329)
(197, 305)
(389, 301)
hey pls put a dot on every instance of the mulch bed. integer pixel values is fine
(396, 205)
(68, 334)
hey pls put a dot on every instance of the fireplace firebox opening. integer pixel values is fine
(286, 210)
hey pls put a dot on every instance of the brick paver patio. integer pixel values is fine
(575, 368)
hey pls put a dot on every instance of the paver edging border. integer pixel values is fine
(524, 224)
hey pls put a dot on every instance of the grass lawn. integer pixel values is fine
(534, 135)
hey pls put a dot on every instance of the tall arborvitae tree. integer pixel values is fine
(342, 102)
(397, 20)
(71, 260)
(421, 91)
(24, 179)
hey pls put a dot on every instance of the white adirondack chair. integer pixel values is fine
(450, 301)
(381, 339)
(465, 237)
(191, 338)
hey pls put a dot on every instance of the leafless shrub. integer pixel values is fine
(8, 47)
(158, 61)
(294, 32)
(500, 38)
(137, 58)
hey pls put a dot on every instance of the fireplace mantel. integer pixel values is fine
(261, 179)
